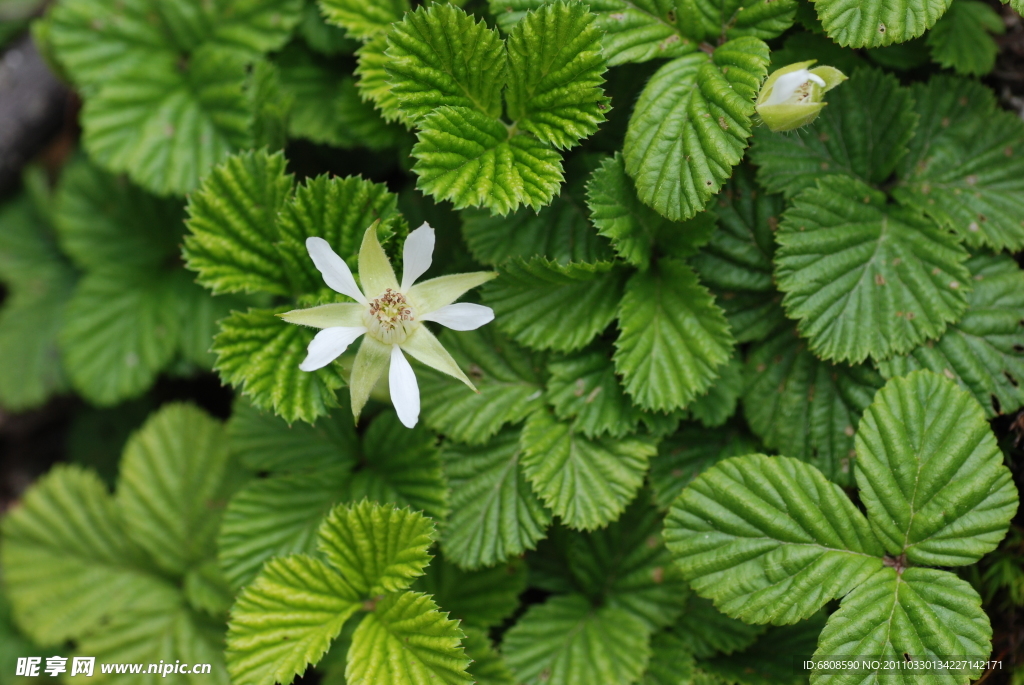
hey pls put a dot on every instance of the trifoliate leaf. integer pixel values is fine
(286, 619)
(473, 160)
(172, 485)
(871, 23)
(508, 377)
(961, 39)
(547, 305)
(805, 407)
(966, 165)
(704, 631)
(585, 482)
(377, 548)
(719, 403)
(560, 232)
(862, 133)
(584, 387)
(982, 352)
(373, 80)
(919, 611)
(488, 667)
(364, 19)
(673, 338)
(260, 354)
(634, 228)
(670, 664)
(405, 639)
(481, 598)
(68, 565)
(555, 69)
(438, 56)
(691, 124)
(232, 223)
(566, 640)
(495, 514)
(739, 537)
(688, 453)
(843, 249)
(922, 445)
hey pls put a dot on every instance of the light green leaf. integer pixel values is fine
(555, 69)
(897, 278)
(806, 407)
(863, 132)
(961, 39)
(363, 19)
(567, 641)
(983, 351)
(923, 445)
(922, 612)
(405, 639)
(260, 354)
(585, 482)
(708, 20)
(488, 667)
(481, 598)
(871, 23)
(373, 80)
(232, 224)
(377, 548)
(472, 160)
(546, 305)
(704, 631)
(966, 165)
(172, 485)
(440, 56)
(750, 530)
(673, 338)
(495, 514)
(200, 315)
(691, 124)
(634, 228)
(584, 387)
(689, 452)
(322, 37)
(286, 619)
(207, 591)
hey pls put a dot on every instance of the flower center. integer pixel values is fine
(390, 318)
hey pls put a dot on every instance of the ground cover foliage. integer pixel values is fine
(736, 404)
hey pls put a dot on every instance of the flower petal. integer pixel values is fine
(429, 296)
(370, 363)
(464, 316)
(425, 347)
(335, 271)
(405, 393)
(416, 255)
(328, 345)
(327, 316)
(375, 272)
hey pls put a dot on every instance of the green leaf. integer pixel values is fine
(673, 338)
(495, 514)
(68, 564)
(805, 407)
(769, 661)
(704, 631)
(200, 315)
(966, 166)
(171, 485)
(547, 305)
(670, 664)
(961, 39)
(750, 529)
(898, 278)
(440, 56)
(863, 133)
(232, 224)
(691, 451)
(584, 387)
(734, 18)
(924, 444)
(361, 19)
(555, 69)
(373, 80)
(377, 548)
(585, 482)
(322, 37)
(719, 403)
(405, 639)
(488, 667)
(691, 124)
(871, 23)
(481, 598)
(472, 160)
(634, 228)
(922, 612)
(566, 641)
(260, 354)
(983, 351)
(286, 619)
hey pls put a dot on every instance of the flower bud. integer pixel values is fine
(791, 97)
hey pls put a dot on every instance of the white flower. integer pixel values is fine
(793, 95)
(391, 316)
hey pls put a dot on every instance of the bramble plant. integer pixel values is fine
(740, 331)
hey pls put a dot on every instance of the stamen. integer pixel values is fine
(389, 318)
